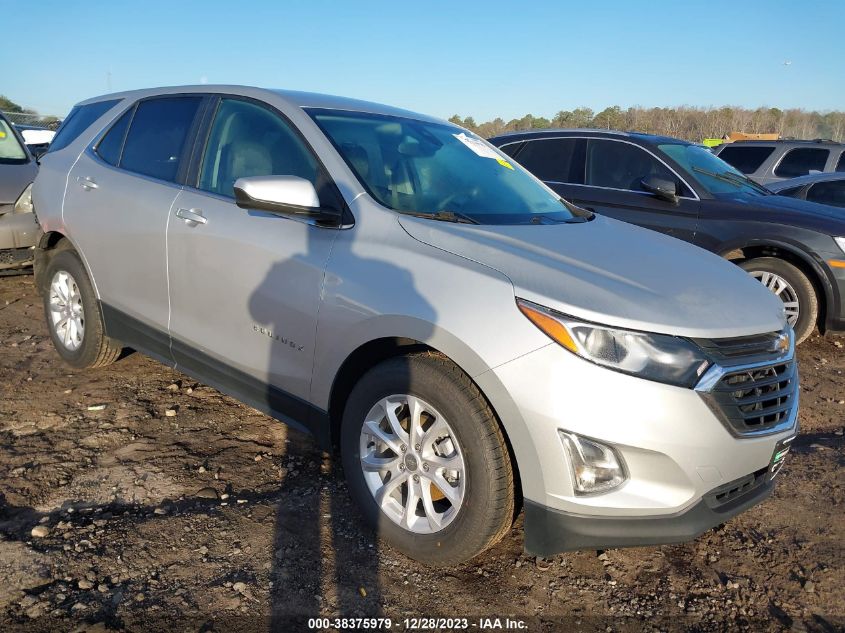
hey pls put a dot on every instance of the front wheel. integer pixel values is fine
(426, 461)
(792, 287)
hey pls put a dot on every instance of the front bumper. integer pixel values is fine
(549, 531)
(17, 230)
(677, 451)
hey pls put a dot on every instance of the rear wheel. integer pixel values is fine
(426, 461)
(73, 314)
(792, 287)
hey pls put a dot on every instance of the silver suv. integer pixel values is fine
(399, 288)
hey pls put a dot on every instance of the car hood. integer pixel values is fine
(613, 273)
(792, 211)
(14, 179)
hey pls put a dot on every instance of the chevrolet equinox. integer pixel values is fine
(398, 287)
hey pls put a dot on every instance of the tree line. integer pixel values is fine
(686, 122)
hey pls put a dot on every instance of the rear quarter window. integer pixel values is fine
(802, 161)
(79, 120)
(746, 159)
(554, 159)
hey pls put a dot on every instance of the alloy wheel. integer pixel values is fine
(782, 289)
(67, 315)
(412, 463)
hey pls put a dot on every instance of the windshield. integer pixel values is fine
(438, 170)
(714, 174)
(11, 151)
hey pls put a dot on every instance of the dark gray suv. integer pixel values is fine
(773, 161)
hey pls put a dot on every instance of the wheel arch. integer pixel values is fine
(793, 255)
(517, 439)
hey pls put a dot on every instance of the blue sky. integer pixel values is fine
(483, 59)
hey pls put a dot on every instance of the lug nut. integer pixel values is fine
(417, 447)
(417, 478)
(425, 467)
(403, 448)
(401, 466)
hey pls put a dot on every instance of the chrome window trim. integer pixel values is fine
(615, 140)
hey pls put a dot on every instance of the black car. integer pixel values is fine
(796, 248)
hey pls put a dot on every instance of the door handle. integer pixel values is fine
(191, 215)
(86, 182)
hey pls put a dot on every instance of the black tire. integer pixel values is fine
(808, 302)
(96, 349)
(486, 513)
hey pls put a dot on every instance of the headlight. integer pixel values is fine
(24, 203)
(841, 242)
(658, 357)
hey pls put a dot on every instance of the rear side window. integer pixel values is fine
(156, 139)
(801, 161)
(555, 159)
(11, 151)
(840, 166)
(830, 192)
(79, 120)
(744, 158)
(110, 146)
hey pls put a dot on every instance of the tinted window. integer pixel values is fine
(840, 166)
(79, 119)
(157, 136)
(109, 147)
(830, 192)
(746, 159)
(249, 140)
(801, 161)
(621, 165)
(556, 159)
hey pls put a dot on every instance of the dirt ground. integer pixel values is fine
(116, 514)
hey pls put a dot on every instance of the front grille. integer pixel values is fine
(742, 350)
(755, 400)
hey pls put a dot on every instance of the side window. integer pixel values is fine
(801, 161)
(512, 149)
(247, 139)
(840, 166)
(745, 158)
(111, 144)
(829, 192)
(555, 159)
(621, 165)
(156, 138)
(79, 119)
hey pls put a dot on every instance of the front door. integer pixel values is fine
(245, 284)
(612, 175)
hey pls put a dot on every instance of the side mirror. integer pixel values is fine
(661, 188)
(283, 195)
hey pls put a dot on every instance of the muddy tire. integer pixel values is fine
(73, 313)
(793, 287)
(426, 461)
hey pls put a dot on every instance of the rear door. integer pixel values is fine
(120, 193)
(603, 175)
(245, 284)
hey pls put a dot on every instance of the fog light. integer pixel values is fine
(596, 467)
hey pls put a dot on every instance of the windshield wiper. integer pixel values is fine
(443, 216)
(733, 179)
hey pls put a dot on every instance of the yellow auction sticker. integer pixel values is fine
(504, 163)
